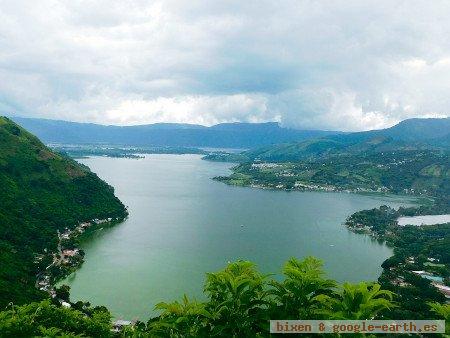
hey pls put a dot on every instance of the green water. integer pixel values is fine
(183, 224)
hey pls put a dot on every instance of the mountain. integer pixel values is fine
(417, 129)
(413, 134)
(225, 135)
(40, 192)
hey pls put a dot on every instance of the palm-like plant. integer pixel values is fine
(238, 300)
(442, 311)
(356, 301)
(180, 319)
(295, 297)
(54, 332)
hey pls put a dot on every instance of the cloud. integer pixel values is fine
(346, 65)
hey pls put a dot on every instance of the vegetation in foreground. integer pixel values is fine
(43, 192)
(240, 302)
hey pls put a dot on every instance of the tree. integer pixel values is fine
(63, 293)
(47, 319)
(356, 301)
(238, 300)
(442, 311)
(295, 297)
(181, 319)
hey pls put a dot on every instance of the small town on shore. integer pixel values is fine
(432, 267)
(67, 257)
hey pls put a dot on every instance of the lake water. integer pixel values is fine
(183, 224)
(423, 220)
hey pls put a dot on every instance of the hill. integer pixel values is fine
(40, 192)
(411, 157)
(425, 173)
(418, 129)
(226, 135)
(413, 134)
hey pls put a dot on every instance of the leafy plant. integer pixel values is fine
(356, 301)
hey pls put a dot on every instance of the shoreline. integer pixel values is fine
(69, 255)
(417, 201)
(420, 201)
(427, 200)
(391, 233)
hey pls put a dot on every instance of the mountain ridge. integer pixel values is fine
(412, 134)
(225, 135)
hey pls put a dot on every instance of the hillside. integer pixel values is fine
(226, 135)
(424, 173)
(413, 134)
(411, 157)
(418, 129)
(40, 192)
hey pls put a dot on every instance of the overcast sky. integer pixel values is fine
(348, 65)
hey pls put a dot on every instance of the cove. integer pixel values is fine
(182, 224)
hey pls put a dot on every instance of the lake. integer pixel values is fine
(423, 220)
(183, 224)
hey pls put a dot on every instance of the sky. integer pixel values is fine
(337, 65)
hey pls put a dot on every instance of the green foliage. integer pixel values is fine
(377, 220)
(443, 312)
(413, 134)
(296, 296)
(356, 301)
(63, 293)
(181, 319)
(40, 192)
(49, 320)
(82, 151)
(237, 300)
(414, 249)
(423, 172)
(240, 302)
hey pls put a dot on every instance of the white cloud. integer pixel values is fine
(347, 65)
(205, 110)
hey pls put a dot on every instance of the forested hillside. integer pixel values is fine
(425, 173)
(408, 135)
(40, 192)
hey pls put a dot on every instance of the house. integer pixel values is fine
(443, 289)
(119, 324)
(70, 253)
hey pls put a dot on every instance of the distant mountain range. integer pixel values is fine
(266, 141)
(412, 134)
(225, 135)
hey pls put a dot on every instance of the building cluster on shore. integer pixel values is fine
(436, 280)
(66, 258)
(302, 186)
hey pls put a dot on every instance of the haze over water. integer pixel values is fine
(182, 224)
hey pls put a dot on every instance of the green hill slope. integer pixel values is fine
(40, 192)
(413, 134)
